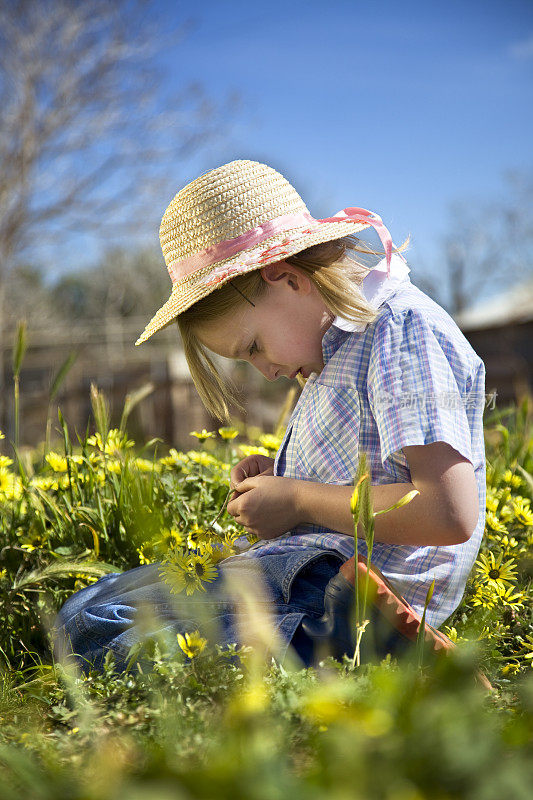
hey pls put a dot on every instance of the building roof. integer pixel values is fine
(510, 307)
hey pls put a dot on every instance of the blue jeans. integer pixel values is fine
(111, 614)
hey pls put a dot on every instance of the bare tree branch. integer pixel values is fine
(82, 127)
(86, 132)
(489, 244)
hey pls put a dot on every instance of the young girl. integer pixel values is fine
(383, 369)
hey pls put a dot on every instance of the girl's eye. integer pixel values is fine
(251, 350)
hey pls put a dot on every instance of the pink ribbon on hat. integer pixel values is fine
(368, 217)
(179, 269)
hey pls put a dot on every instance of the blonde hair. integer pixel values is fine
(336, 276)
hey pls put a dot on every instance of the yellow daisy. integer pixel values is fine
(511, 668)
(529, 646)
(269, 441)
(506, 513)
(511, 598)
(144, 465)
(220, 551)
(494, 572)
(192, 644)
(11, 487)
(191, 582)
(177, 576)
(522, 511)
(203, 435)
(492, 521)
(5, 461)
(115, 441)
(204, 459)
(203, 567)
(506, 542)
(169, 538)
(492, 502)
(145, 554)
(56, 461)
(6, 479)
(228, 433)
(451, 633)
(251, 450)
(41, 482)
(197, 538)
(174, 459)
(483, 598)
(63, 482)
(510, 478)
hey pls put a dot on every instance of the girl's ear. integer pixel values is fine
(273, 272)
(280, 270)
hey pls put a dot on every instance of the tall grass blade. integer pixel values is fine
(54, 389)
(68, 452)
(18, 355)
(63, 569)
(527, 475)
(369, 538)
(132, 400)
(285, 410)
(422, 630)
(101, 412)
(20, 348)
(355, 504)
(61, 374)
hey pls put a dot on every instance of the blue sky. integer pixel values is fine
(402, 108)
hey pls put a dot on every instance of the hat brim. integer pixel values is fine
(189, 290)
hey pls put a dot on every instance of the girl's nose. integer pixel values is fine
(270, 371)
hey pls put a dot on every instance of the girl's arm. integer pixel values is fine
(444, 513)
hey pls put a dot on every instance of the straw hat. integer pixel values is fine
(237, 218)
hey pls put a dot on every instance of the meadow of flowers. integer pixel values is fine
(205, 720)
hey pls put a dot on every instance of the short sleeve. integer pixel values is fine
(417, 386)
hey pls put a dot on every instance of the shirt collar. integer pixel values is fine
(376, 289)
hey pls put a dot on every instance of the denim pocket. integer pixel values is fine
(325, 562)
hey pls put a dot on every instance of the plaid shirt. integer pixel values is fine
(408, 378)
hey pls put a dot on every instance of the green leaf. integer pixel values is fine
(403, 501)
(66, 551)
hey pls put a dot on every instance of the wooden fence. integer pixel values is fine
(107, 357)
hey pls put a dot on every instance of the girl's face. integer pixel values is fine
(282, 333)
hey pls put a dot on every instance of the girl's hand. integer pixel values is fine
(266, 505)
(249, 467)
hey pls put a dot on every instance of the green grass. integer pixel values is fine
(227, 726)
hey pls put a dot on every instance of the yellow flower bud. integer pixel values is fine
(354, 500)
